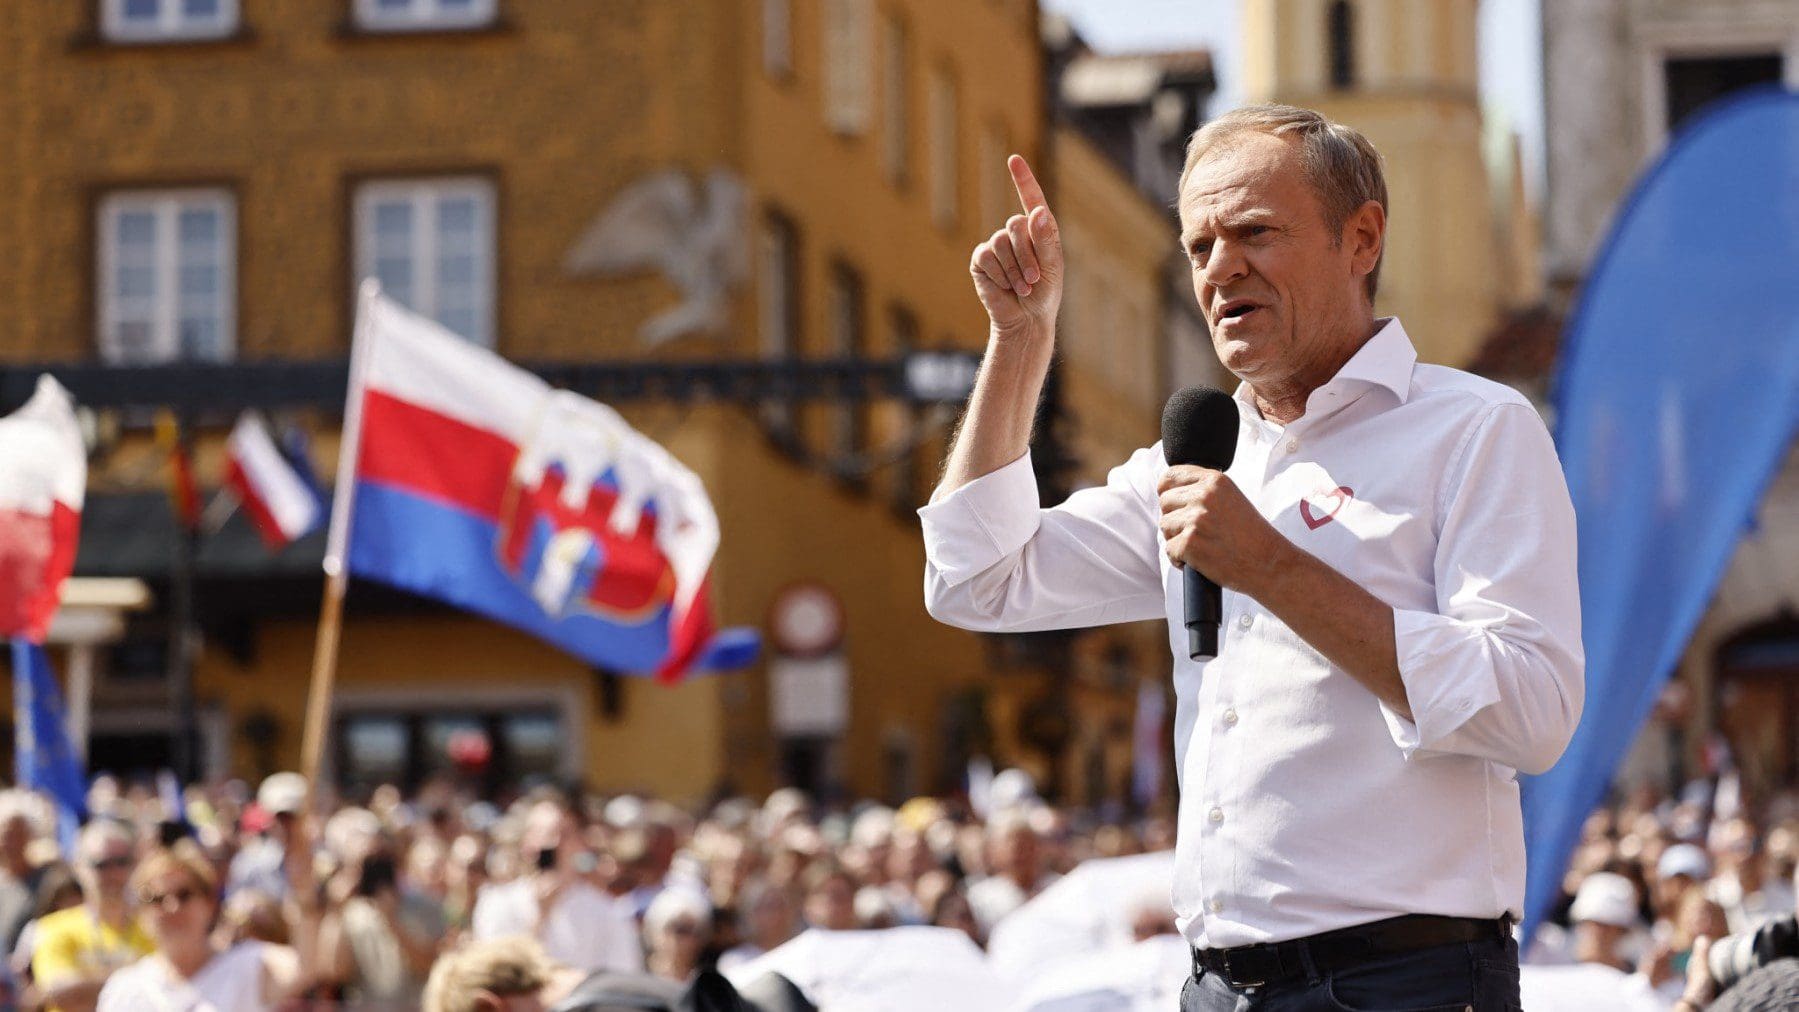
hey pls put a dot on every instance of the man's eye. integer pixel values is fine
(1200, 250)
(1255, 230)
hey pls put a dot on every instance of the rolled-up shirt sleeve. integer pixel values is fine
(1496, 671)
(995, 561)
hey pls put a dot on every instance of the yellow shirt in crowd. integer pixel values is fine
(76, 943)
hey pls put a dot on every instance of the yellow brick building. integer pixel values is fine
(1404, 72)
(181, 190)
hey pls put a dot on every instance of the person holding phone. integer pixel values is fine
(578, 924)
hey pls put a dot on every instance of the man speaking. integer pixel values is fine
(1400, 624)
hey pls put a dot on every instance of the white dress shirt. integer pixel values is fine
(1306, 803)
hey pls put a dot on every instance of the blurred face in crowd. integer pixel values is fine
(769, 921)
(1017, 854)
(177, 910)
(1698, 916)
(831, 904)
(15, 836)
(1276, 283)
(1601, 943)
(677, 943)
(105, 871)
(954, 912)
(910, 857)
(549, 826)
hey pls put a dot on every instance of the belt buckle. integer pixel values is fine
(1231, 971)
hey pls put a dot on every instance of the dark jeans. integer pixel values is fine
(1464, 977)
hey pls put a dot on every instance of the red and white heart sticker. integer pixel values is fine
(1318, 508)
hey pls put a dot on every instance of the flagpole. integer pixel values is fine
(343, 497)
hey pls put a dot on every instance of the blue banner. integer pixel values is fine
(1677, 398)
(43, 759)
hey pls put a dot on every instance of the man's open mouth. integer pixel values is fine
(1237, 310)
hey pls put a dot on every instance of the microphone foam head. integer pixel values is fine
(1199, 426)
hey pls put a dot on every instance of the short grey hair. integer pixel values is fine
(1342, 166)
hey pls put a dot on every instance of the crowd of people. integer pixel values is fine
(227, 894)
(1654, 883)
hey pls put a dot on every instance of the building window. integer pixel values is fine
(167, 20)
(1693, 83)
(777, 37)
(430, 242)
(849, 65)
(424, 15)
(896, 84)
(942, 112)
(481, 750)
(778, 305)
(849, 342)
(1341, 32)
(167, 276)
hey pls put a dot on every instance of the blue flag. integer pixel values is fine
(1677, 398)
(43, 758)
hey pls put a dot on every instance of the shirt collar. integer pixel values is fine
(1384, 360)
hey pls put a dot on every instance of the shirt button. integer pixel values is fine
(1244, 620)
(1215, 905)
(1216, 814)
(1292, 446)
(1230, 718)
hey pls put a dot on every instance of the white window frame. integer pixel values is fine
(1675, 40)
(425, 16)
(165, 338)
(849, 51)
(422, 193)
(945, 157)
(173, 23)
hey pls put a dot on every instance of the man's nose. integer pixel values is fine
(1224, 263)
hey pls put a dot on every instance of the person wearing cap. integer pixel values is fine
(79, 948)
(1683, 868)
(1604, 914)
(259, 865)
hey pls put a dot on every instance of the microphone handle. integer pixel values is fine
(1204, 610)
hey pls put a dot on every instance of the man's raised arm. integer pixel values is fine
(993, 559)
(1018, 275)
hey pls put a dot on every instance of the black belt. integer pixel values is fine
(1276, 962)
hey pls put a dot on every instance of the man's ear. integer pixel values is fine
(487, 1001)
(1365, 233)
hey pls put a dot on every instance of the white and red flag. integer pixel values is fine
(43, 476)
(280, 500)
(471, 480)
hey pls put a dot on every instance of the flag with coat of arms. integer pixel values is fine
(468, 479)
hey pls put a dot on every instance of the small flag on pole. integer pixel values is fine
(184, 494)
(276, 496)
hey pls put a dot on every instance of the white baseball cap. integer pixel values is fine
(1684, 859)
(1605, 898)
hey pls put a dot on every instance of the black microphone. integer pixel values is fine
(1199, 427)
